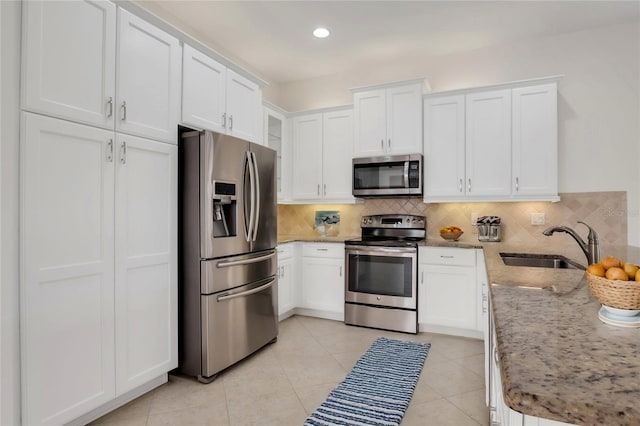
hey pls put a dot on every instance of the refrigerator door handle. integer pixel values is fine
(256, 191)
(252, 195)
(224, 297)
(225, 264)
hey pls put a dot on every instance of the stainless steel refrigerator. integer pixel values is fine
(227, 270)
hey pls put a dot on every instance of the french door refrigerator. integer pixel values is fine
(227, 269)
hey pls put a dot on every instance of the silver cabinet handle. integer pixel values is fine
(226, 296)
(110, 104)
(495, 355)
(382, 144)
(110, 151)
(484, 306)
(231, 122)
(224, 120)
(322, 249)
(517, 184)
(340, 270)
(389, 144)
(422, 277)
(460, 185)
(318, 190)
(325, 189)
(124, 110)
(469, 186)
(446, 257)
(123, 152)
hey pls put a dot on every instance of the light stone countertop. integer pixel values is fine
(558, 360)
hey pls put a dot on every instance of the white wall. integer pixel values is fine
(9, 203)
(599, 137)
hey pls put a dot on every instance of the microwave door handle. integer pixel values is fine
(254, 160)
(406, 174)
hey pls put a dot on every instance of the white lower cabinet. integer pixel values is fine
(323, 278)
(286, 280)
(448, 291)
(98, 266)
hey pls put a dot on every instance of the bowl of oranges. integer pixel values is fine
(615, 283)
(451, 233)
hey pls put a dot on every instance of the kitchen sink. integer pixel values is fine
(539, 260)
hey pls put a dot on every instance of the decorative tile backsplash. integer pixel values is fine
(604, 211)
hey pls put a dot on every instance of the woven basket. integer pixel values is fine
(615, 293)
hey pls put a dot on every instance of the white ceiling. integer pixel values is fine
(273, 38)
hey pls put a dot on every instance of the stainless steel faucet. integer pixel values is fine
(591, 249)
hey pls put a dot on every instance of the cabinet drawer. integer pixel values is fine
(335, 251)
(447, 256)
(285, 251)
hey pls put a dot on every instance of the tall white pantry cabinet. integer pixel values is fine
(98, 207)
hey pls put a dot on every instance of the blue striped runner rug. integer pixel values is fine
(378, 389)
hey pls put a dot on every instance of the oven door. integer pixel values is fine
(382, 276)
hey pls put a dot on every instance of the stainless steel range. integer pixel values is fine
(382, 269)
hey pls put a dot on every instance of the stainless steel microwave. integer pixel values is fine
(389, 175)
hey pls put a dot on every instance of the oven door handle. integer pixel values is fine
(379, 249)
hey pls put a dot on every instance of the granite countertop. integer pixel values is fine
(315, 238)
(558, 360)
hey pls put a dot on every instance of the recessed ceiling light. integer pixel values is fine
(321, 32)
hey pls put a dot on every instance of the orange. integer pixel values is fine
(596, 269)
(610, 262)
(615, 273)
(630, 269)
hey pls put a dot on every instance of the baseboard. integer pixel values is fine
(450, 331)
(119, 401)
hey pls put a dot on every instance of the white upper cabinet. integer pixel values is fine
(217, 98)
(70, 52)
(204, 93)
(69, 58)
(146, 294)
(244, 108)
(322, 146)
(488, 140)
(148, 76)
(277, 137)
(336, 154)
(307, 157)
(67, 264)
(535, 140)
(492, 145)
(444, 147)
(388, 120)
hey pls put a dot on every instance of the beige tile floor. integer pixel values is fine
(284, 382)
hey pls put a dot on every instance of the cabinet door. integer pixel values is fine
(488, 143)
(146, 261)
(148, 76)
(67, 261)
(285, 286)
(244, 107)
(444, 147)
(69, 54)
(203, 90)
(370, 128)
(323, 284)
(275, 137)
(336, 154)
(307, 157)
(535, 140)
(450, 297)
(404, 119)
